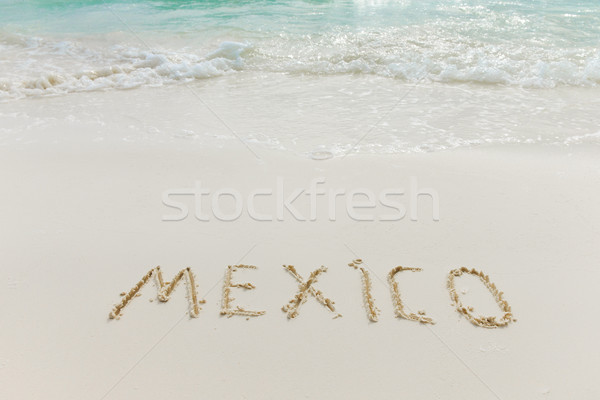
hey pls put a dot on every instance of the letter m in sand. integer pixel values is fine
(164, 291)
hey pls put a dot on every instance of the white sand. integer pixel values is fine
(81, 222)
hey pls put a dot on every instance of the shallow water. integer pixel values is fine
(56, 45)
(503, 62)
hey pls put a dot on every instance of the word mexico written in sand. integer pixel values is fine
(307, 290)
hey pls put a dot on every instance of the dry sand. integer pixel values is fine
(81, 223)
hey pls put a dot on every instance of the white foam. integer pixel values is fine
(70, 67)
(33, 66)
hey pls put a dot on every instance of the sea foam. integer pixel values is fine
(52, 68)
(34, 66)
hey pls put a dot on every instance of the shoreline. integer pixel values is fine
(86, 176)
(299, 200)
(303, 115)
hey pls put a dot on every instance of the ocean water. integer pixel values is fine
(487, 47)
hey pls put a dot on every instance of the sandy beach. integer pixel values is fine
(345, 199)
(84, 222)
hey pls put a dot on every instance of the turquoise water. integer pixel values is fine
(463, 73)
(567, 23)
(52, 47)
